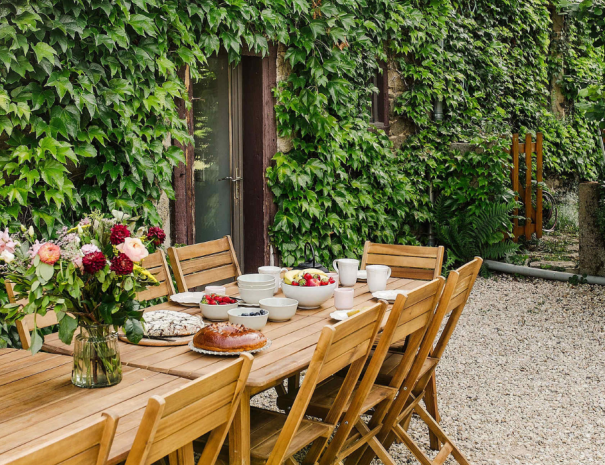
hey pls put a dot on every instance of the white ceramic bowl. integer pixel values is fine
(256, 286)
(252, 322)
(309, 297)
(279, 308)
(253, 296)
(256, 279)
(217, 312)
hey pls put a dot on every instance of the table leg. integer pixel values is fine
(239, 434)
(293, 383)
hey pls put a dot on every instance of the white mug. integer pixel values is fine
(343, 298)
(276, 271)
(377, 277)
(220, 290)
(347, 270)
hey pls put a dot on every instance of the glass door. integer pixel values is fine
(218, 154)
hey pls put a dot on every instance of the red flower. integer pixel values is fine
(118, 233)
(121, 264)
(49, 253)
(93, 262)
(157, 235)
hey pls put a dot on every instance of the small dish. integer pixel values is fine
(279, 308)
(189, 299)
(362, 275)
(238, 316)
(217, 312)
(342, 315)
(388, 295)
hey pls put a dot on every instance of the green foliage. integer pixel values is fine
(86, 99)
(480, 233)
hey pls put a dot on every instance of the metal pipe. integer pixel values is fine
(538, 273)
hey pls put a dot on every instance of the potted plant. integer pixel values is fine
(89, 276)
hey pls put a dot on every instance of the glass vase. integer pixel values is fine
(96, 357)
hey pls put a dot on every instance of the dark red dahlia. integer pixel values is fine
(157, 235)
(118, 233)
(93, 262)
(121, 264)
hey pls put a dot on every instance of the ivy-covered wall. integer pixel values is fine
(88, 89)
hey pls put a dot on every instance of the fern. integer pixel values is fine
(481, 233)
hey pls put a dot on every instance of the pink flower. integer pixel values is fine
(78, 261)
(133, 248)
(35, 248)
(89, 248)
(6, 242)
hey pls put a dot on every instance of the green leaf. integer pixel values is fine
(43, 50)
(134, 330)
(67, 328)
(6, 125)
(144, 25)
(36, 341)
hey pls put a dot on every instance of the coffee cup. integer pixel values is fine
(343, 298)
(377, 277)
(347, 270)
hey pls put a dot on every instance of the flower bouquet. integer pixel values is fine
(89, 276)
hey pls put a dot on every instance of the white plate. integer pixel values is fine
(389, 295)
(210, 352)
(362, 275)
(340, 315)
(190, 299)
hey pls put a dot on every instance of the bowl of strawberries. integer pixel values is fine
(310, 287)
(215, 306)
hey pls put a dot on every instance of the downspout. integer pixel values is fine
(438, 116)
(538, 273)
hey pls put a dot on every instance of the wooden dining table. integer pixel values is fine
(38, 402)
(293, 344)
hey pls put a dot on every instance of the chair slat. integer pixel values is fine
(406, 261)
(401, 261)
(205, 263)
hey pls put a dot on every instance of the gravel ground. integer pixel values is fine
(523, 378)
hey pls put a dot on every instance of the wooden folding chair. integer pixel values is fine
(172, 422)
(276, 437)
(406, 261)
(410, 316)
(89, 444)
(420, 382)
(205, 263)
(155, 263)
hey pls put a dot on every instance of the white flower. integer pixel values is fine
(120, 216)
(6, 256)
(30, 231)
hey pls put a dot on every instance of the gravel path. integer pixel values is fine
(523, 378)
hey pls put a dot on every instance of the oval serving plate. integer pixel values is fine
(229, 354)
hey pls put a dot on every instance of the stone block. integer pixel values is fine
(592, 244)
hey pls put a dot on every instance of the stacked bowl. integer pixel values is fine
(254, 287)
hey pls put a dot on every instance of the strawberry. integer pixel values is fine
(302, 282)
(331, 280)
(313, 282)
(307, 276)
(295, 283)
(212, 302)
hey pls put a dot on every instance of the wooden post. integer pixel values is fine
(539, 180)
(515, 152)
(528, 166)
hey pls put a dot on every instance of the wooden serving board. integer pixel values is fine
(154, 342)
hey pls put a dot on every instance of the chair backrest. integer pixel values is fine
(406, 261)
(206, 405)
(155, 263)
(89, 444)
(345, 344)
(157, 266)
(455, 294)
(411, 316)
(204, 263)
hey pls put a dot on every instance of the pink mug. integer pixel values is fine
(343, 298)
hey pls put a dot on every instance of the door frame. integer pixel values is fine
(183, 206)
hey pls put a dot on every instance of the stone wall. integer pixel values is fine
(399, 128)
